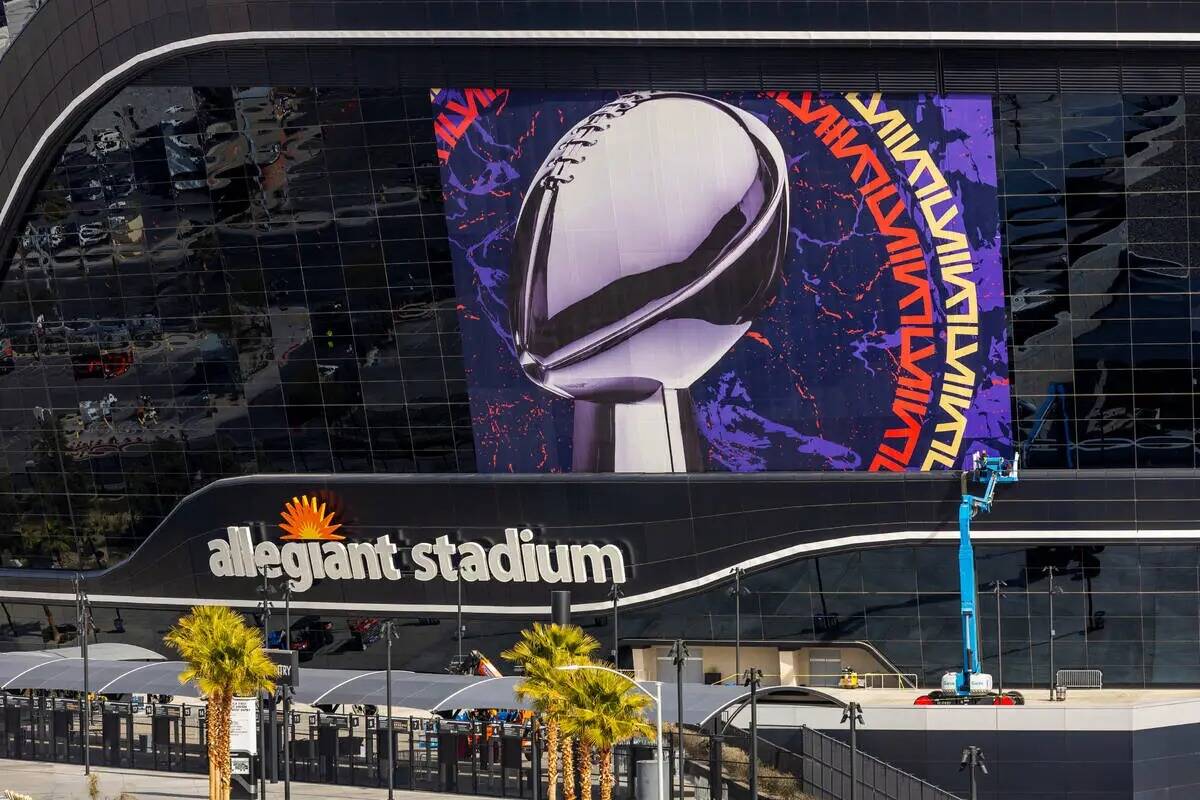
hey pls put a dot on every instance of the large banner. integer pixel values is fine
(668, 281)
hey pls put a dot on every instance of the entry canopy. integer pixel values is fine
(433, 692)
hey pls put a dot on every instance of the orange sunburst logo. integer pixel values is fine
(304, 519)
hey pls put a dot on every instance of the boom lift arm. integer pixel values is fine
(972, 685)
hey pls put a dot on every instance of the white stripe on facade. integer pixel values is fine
(723, 574)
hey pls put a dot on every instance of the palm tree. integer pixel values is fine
(540, 652)
(605, 710)
(225, 659)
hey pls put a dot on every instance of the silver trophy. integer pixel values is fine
(648, 240)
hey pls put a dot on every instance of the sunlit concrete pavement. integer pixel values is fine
(47, 781)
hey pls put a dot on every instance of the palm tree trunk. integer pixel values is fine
(585, 770)
(212, 726)
(606, 773)
(552, 759)
(218, 746)
(567, 745)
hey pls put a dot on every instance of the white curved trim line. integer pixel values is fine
(441, 704)
(929, 38)
(123, 675)
(337, 686)
(45, 663)
(787, 553)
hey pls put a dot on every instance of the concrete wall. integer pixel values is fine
(1148, 752)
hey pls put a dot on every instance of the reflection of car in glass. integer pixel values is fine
(8, 360)
(309, 634)
(365, 631)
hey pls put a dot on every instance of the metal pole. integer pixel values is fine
(287, 695)
(662, 764)
(287, 738)
(996, 587)
(391, 737)
(972, 757)
(679, 653)
(262, 773)
(458, 582)
(268, 729)
(615, 594)
(737, 621)
(853, 713)
(287, 616)
(752, 676)
(1050, 591)
(85, 619)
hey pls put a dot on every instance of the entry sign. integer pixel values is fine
(243, 733)
(287, 667)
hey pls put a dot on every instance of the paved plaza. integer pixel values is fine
(48, 781)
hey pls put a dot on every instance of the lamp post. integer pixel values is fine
(84, 612)
(657, 697)
(1051, 591)
(753, 677)
(679, 654)
(287, 694)
(260, 535)
(737, 590)
(997, 587)
(615, 593)
(972, 757)
(853, 715)
(389, 631)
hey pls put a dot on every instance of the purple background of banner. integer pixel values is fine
(811, 384)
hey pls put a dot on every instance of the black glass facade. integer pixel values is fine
(223, 281)
(1128, 610)
(1100, 196)
(1131, 611)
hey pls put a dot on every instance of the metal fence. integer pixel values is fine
(718, 767)
(826, 764)
(349, 749)
(451, 757)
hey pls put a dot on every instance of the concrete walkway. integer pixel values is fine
(48, 781)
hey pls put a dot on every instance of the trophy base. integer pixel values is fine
(657, 434)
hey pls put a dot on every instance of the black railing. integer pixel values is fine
(718, 766)
(448, 756)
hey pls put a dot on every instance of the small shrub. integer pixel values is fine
(9, 794)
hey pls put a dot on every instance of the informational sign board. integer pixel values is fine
(243, 735)
(287, 667)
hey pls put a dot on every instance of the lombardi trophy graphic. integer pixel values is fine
(647, 241)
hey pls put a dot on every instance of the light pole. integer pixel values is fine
(389, 630)
(84, 612)
(737, 590)
(458, 582)
(753, 676)
(287, 694)
(997, 587)
(679, 654)
(853, 715)
(973, 757)
(1051, 591)
(615, 593)
(260, 533)
(657, 697)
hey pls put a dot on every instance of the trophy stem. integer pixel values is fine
(657, 434)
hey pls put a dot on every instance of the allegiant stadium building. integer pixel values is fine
(693, 309)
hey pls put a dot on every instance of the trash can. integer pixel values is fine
(648, 785)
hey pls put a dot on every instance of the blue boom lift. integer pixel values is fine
(973, 686)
